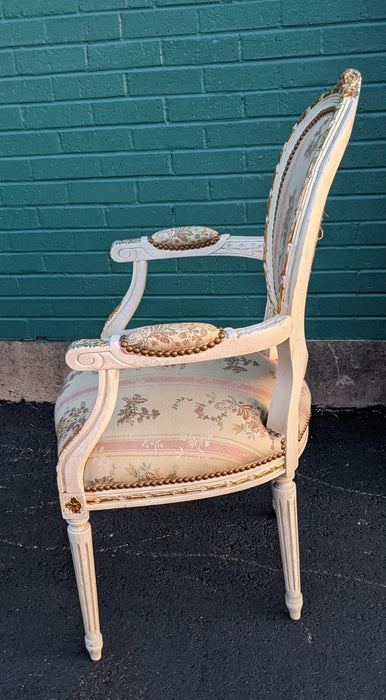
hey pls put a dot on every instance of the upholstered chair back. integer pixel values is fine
(303, 176)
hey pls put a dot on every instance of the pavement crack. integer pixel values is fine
(340, 488)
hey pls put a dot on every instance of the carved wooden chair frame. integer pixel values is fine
(282, 332)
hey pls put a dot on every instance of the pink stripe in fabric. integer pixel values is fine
(171, 444)
(256, 388)
(70, 398)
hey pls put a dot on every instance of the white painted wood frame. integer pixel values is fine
(281, 333)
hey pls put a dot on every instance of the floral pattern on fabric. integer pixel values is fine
(171, 336)
(134, 410)
(185, 236)
(239, 364)
(299, 160)
(217, 410)
(146, 472)
(178, 421)
(71, 422)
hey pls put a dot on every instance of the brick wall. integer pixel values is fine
(121, 117)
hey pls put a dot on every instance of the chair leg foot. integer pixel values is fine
(79, 534)
(284, 497)
(294, 606)
(94, 646)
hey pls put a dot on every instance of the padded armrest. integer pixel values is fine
(171, 339)
(184, 238)
(170, 242)
(175, 343)
(185, 242)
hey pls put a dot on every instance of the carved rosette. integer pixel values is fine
(349, 83)
(73, 505)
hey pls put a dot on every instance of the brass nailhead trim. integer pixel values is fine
(170, 353)
(188, 479)
(304, 427)
(312, 123)
(180, 480)
(190, 246)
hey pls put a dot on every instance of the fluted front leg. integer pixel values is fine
(79, 534)
(284, 498)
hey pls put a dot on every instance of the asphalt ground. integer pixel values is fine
(191, 595)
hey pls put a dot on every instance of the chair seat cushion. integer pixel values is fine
(175, 423)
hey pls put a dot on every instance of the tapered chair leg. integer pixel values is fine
(79, 534)
(284, 497)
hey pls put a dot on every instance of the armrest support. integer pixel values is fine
(107, 353)
(153, 248)
(126, 309)
(171, 243)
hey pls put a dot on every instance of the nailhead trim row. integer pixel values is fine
(188, 246)
(312, 123)
(188, 479)
(199, 477)
(170, 353)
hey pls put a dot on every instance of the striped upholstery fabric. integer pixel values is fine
(177, 421)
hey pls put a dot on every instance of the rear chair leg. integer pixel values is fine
(284, 497)
(79, 534)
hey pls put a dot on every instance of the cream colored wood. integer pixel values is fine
(243, 247)
(284, 497)
(283, 412)
(281, 332)
(73, 457)
(141, 249)
(135, 249)
(79, 534)
(121, 316)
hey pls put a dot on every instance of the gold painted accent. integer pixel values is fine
(74, 505)
(187, 489)
(349, 84)
(114, 312)
(75, 432)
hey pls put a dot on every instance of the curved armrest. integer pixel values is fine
(186, 241)
(115, 352)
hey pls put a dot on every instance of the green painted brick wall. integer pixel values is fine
(121, 117)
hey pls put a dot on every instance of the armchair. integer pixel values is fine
(182, 411)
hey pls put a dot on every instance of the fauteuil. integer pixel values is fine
(182, 411)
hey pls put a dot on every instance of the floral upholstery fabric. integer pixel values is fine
(181, 420)
(293, 181)
(184, 237)
(171, 336)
